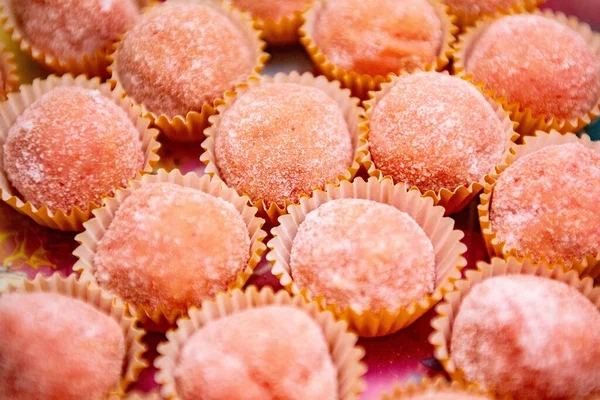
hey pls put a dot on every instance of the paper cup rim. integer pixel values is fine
(18, 102)
(103, 302)
(9, 70)
(528, 124)
(190, 127)
(589, 264)
(349, 106)
(440, 230)
(453, 200)
(426, 385)
(96, 227)
(345, 354)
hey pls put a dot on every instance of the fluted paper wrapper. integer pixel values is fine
(429, 387)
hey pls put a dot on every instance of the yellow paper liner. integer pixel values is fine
(346, 356)
(528, 124)
(349, 106)
(283, 31)
(588, 265)
(430, 386)
(97, 227)
(362, 84)
(9, 72)
(448, 309)
(465, 20)
(190, 127)
(457, 199)
(16, 104)
(104, 303)
(439, 229)
(90, 64)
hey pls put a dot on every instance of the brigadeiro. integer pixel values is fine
(469, 11)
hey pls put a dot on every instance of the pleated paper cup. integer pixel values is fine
(9, 72)
(465, 19)
(17, 103)
(346, 356)
(362, 84)
(448, 309)
(104, 303)
(456, 199)
(96, 228)
(446, 242)
(353, 115)
(190, 127)
(528, 124)
(589, 264)
(428, 388)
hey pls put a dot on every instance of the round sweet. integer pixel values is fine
(279, 140)
(378, 37)
(170, 247)
(446, 395)
(181, 56)
(435, 131)
(272, 10)
(73, 28)
(546, 203)
(528, 337)
(285, 357)
(539, 63)
(476, 8)
(363, 254)
(56, 347)
(70, 147)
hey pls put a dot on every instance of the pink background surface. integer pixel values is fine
(27, 249)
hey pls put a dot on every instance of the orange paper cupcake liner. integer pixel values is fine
(9, 72)
(428, 387)
(446, 242)
(448, 309)
(104, 303)
(190, 127)
(349, 106)
(283, 31)
(588, 265)
(464, 19)
(17, 103)
(452, 199)
(362, 84)
(97, 227)
(346, 356)
(528, 124)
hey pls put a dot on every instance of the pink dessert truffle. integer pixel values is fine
(55, 347)
(70, 147)
(71, 29)
(181, 56)
(478, 8)
(528, 337)
(272, 10)
(378, 37)
(279, 140)
(441, 394)
(169, 247)
(364, 255)
(435, 131)
(280, 353)
(539, 63)
(546, 203)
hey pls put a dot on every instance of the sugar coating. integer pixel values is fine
(435, 131)
(538, 62)
(450, 394)
(380, 36)
(73, 28)
(481, 7)
(70, 147)
(180, 56)
(546, 203)
(272, 10)
(529, 337)
(56, 347)
(272, 352)
(363, 254)
(170, 246)
(279, 140)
